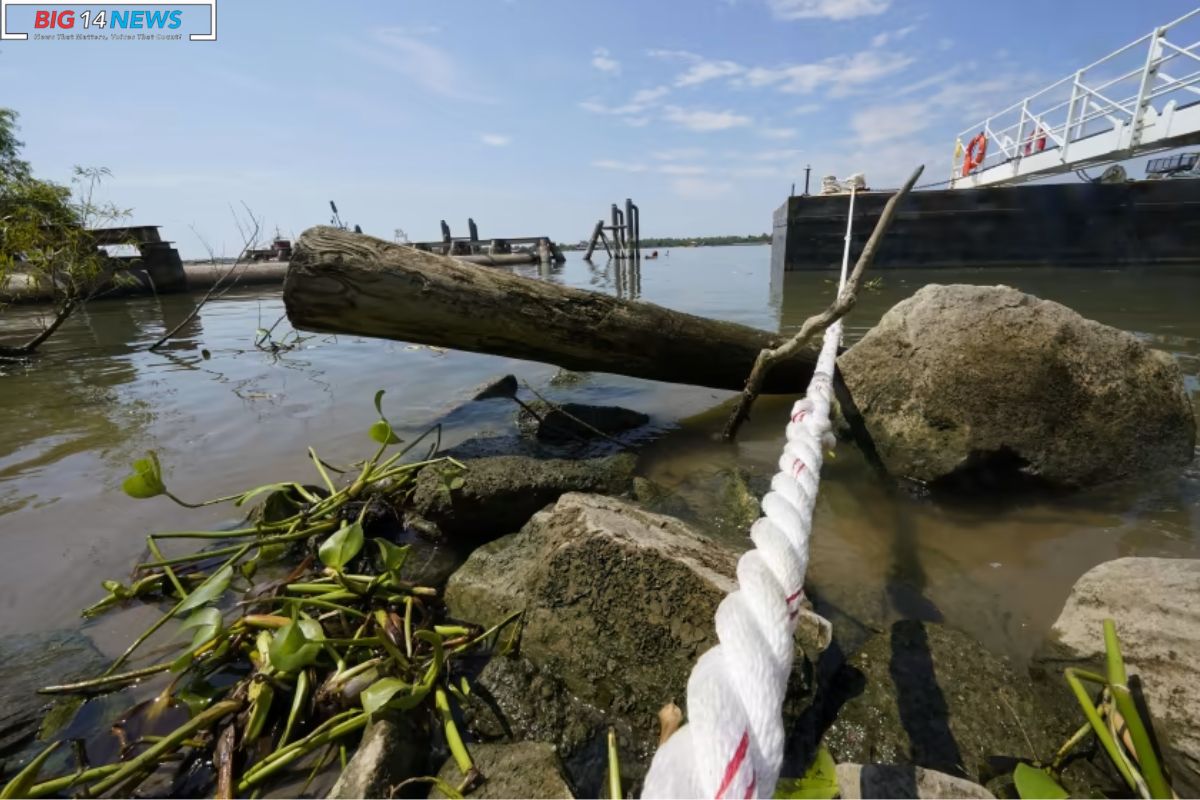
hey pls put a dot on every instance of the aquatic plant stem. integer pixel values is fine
(153, 546)
(59, 785)
(1142, 746)
(299, 748)
(172, 741)
(614, 767)
(163, 620)
(105, 683)
(453, 740)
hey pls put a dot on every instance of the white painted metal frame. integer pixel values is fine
(1123, 105)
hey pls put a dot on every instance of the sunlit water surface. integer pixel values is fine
(72, 420)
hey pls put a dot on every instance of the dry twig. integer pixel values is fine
(819, 322)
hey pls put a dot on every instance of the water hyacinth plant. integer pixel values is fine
(280, 672)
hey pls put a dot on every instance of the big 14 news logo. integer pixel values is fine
(124, 19)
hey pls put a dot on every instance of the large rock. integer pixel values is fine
(860, 781)
(392, 749)
(969, 384)
(500, 493)
(618, 602)
(521, 769)
(1155, 604)
(929, 696)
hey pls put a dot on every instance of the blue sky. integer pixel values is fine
(534, 115)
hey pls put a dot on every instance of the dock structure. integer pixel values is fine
(624, 232)
(493, 252)
(1142, 98)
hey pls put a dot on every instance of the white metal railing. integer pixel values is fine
(1124, 104)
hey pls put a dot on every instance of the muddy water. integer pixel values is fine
(72, 421)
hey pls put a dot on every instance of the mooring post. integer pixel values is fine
(807, 169)
(616, 231)
(473, 232)
(446, 237)
(629, 237)
(597, 232)
(637, 231)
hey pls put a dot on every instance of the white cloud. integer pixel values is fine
(888, 122)
(777, 133)
(602, 60)
(699, 187)
(495, 139)
(636, 122)
(841, 74)
(618, 166)
(827, 9)
(880, 39)
(805, 108)
(682, 169)
(704, 71)
(424, 64)
(754, 172)
(945, 43)
(680, 154)
(701, 120)
(648, 96)
(673, 55)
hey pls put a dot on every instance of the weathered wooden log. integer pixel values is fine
(340, 282)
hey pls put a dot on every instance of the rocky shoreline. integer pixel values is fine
(616, 598)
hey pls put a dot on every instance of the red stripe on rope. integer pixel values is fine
(735, 763)
(750, 788)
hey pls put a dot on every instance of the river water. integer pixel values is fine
(73, 420)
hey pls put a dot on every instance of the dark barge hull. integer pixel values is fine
(1061, 224)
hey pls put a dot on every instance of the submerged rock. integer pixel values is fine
(861, 781)
(520, 769)
(1155, 604)
(500, 493)
(570, 422)
(984, 386)
(31, 661)
(925, 695)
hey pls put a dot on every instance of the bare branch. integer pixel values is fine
(817, 323)
(249, 238)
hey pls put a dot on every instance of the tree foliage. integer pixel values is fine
(44, 233)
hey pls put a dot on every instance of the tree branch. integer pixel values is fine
(816, 324)
(250, 236)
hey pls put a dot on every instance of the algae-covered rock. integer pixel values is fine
(520, 769)
(863, 781)
(512, 700)
(987, 386)
(618, 602)
(29, 662)
(500, 493)
(929, 696)
(1155, 606)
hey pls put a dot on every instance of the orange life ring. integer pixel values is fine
(976, 151)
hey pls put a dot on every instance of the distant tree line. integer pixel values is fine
(690, 241)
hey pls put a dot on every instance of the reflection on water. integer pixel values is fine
(73, 420)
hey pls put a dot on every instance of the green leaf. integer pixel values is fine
(381, 432)
(146, 480)
(393, 556)
(208, 591)
(1035, 783)
(377, 695)
(296, 645)
(207, 622)
(270, 487)
(818, 783)
(24, 780)
(343, 545)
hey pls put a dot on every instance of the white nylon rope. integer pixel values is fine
(732, 745)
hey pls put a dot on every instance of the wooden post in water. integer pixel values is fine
(597, 232)
(631, 245)
(446, 237)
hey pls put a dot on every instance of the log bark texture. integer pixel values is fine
(341, 282)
